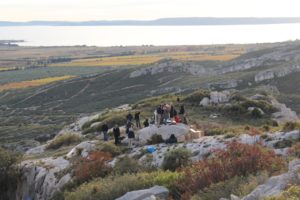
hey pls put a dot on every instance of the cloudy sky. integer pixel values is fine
(82, 10)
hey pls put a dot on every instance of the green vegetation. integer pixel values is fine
(9, 173)
(176, 158)
(292, 193)
(63, 140)
(240, 186)
(290, 126)
(156, 139)
(113, 187)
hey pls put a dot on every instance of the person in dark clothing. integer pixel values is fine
(173, 112)
(137, 119)
(131, 136)
(117, 134)
(178, 99)
(146, 123)
(129, 117)
(182, 110)
(160, 113)
(171, 140)
(104, 130)
(128, 126)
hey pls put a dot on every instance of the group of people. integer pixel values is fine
(167, 114)
(164, 114)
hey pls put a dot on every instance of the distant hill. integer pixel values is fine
(190, 21)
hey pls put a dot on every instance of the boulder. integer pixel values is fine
(83, 148)
(276, 184)
(179, 130)
(204, 102)
(219, 97)
(39, 178)
(156, 192)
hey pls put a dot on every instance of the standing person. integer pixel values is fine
(137, 119)
(173, 112)
(146, 123)
(131, 136)
(117, 134)
(182, 110)
(104, 129)
(160, 112)
(129, 117)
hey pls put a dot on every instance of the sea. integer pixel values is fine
(149, 35)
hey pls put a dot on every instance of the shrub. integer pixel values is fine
(127, 165)
(112, 148)
(8, 173)
(214, 131)
(290, 126)
(295, 150)
(155, 139)
(113, 187)
(283, 144)
(293, 193)
(236, 109)
(176, 158)
(237, 160)
(239, 186)
(197, 96)
(256, 113)
(95, 165)
(62, 140)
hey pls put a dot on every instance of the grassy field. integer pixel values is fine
(32, 83)
(145, 59)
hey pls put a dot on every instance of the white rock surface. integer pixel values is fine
(39, 179)
(165, 131)
(84, 148)
(219, 97)
(276, 184)
(156, 192)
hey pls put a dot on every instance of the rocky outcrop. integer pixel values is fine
(179, 130)
(273, 73)
(276, 184)
(40, 178)
(219, 97)
(284, 113)
(82, 149)
(156, 192)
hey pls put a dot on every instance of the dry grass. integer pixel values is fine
(145, 59)
(2, 69)
(32, 83)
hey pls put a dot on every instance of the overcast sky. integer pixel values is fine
(83, 10)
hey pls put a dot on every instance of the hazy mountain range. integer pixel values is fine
(161, 22)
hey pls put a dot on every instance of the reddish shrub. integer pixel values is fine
(237, 160)
(95, 165)
(295, 150)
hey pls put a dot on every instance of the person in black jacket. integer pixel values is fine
(104, 129)
(131, 136)
(117, 134)
(129, 117)
(137, 119)
(182, 110)
(171, 140)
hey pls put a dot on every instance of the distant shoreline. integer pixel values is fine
(192, 21)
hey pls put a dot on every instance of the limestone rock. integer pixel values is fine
(83, 148)
(156, 192)
(204, 102)
(276, 184)
(219, 97)
(165, 131)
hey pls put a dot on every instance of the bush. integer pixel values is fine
(176, 158)
(293, 193)
(236, 109)
(155, 139)
(8, 173)
(112, 148)
(113, 187)
(256, 113)
(295, 150)
(95, 165)
(127, 165)
(62, 140)
(237, 160)
(283, 144)
(239, 186)
(197, 96)
(290, 126)
(214, 131)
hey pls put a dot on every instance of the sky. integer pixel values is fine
(85, 10)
